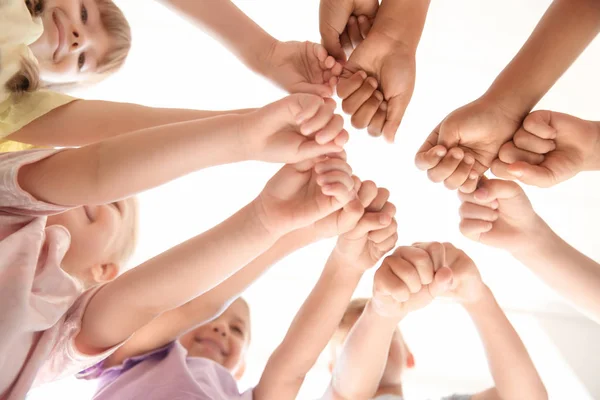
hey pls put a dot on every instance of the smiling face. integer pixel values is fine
(223, 340)
(75, 42)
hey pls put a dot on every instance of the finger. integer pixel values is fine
(375, 128)
(363, 116)
(380, 200)
(367, 193)
(352, 103)
(364, 25)
(336, 71)
(475, 211)
(436, 252)
(510, 153)
(471, 184)
(442, 281)
(461, 174)
(500, 169)
(493, 189)
(447, 166)
(536, 175)
(474, 228)
(387, 244)
(310, 149)
(420, 259)
(386, 283)
(368, 223)
(526, 141)
(347, 86)
(319, 89)
(346, 44)
(354, 31)
(395, 112)
(320, 119)
(331, 130)
(352, 213)
(333, 164)
(332, 177)
(321, 53)
(339, 192)
(539, 123)
(379, 236)
(389, 209)
(406, 272)
(332, 20)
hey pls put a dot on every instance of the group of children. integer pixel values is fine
(68, 217)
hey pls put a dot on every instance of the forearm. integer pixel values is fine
(125, 165)
(402, 20)
(360, 366)
(91, 121)
(564, 31)
(309, 333)
(172, 278)
(228, 24)
(566, 270)
(513, 371)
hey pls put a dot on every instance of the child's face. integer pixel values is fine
(73, 43)
(223, 340)
(96, 234)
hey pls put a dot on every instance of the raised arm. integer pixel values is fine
(320, 314)
(91, 121)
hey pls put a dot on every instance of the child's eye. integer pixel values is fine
(81, 60)
(237, 330)
(84, 14)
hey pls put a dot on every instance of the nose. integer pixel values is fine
(78, 40)
(220, 329)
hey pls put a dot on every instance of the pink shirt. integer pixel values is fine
(41, 306)
(166, 373)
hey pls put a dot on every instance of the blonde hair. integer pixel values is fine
(119, 31)
(128, 245)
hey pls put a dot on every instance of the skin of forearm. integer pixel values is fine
(566, 270)
(563, 33)
(513, 371)
(311, 330)
(402, 20)
(91, 121)
(186, 271)
(229, 25)
(360, 366)
(125, 165)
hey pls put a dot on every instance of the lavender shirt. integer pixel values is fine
(165, 373)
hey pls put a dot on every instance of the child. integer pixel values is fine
(47, 326)
(549, 148)
(374, 355)
(297, 67)
(205, 361)
(499, 214)
(476, 131)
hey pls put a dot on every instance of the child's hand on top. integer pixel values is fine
(463, 146)
(499, 214)
(410, 279)
(303, 193)
(549, 148)
(374, 228)
(302, 67)
(296, 128)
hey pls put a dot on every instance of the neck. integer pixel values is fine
(389, 389)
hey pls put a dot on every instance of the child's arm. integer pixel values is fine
(484, 125)
(514, 226)
(290, 200)
(174, 323)
(125, 165)
(84, 122)
(320, 314)
(296, 67)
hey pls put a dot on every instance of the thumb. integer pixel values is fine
(535, 175)
(333, 17)
(369, 222)
(311, 149)
(318, 89)
(350, 215)
(293, 109)
(492, 189)
(442, 281)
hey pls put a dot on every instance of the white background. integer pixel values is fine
(464, 46)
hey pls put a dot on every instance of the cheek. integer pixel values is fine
(62, 72)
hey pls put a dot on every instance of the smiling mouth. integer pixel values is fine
(211, 343)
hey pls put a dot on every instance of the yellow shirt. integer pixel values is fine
(18, 31)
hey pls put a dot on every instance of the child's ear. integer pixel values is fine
(102, 273)
(410, 360)
(240, 371)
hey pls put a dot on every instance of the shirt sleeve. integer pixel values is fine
(66, 359)
(13, 199)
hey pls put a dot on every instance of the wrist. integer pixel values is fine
(260, 60)
(259, 217)
(482, 303)
(535, 239)
(386, 314)
(510, 103)
(402, 22)
(593, 161)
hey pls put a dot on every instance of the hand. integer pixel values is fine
(338, 23)
(296, 128)
(499, 214)
(478, 129)
(302, 193)
(410, 279)
(302, 67)
(374, 232)
(392, 64)
(549, 148)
